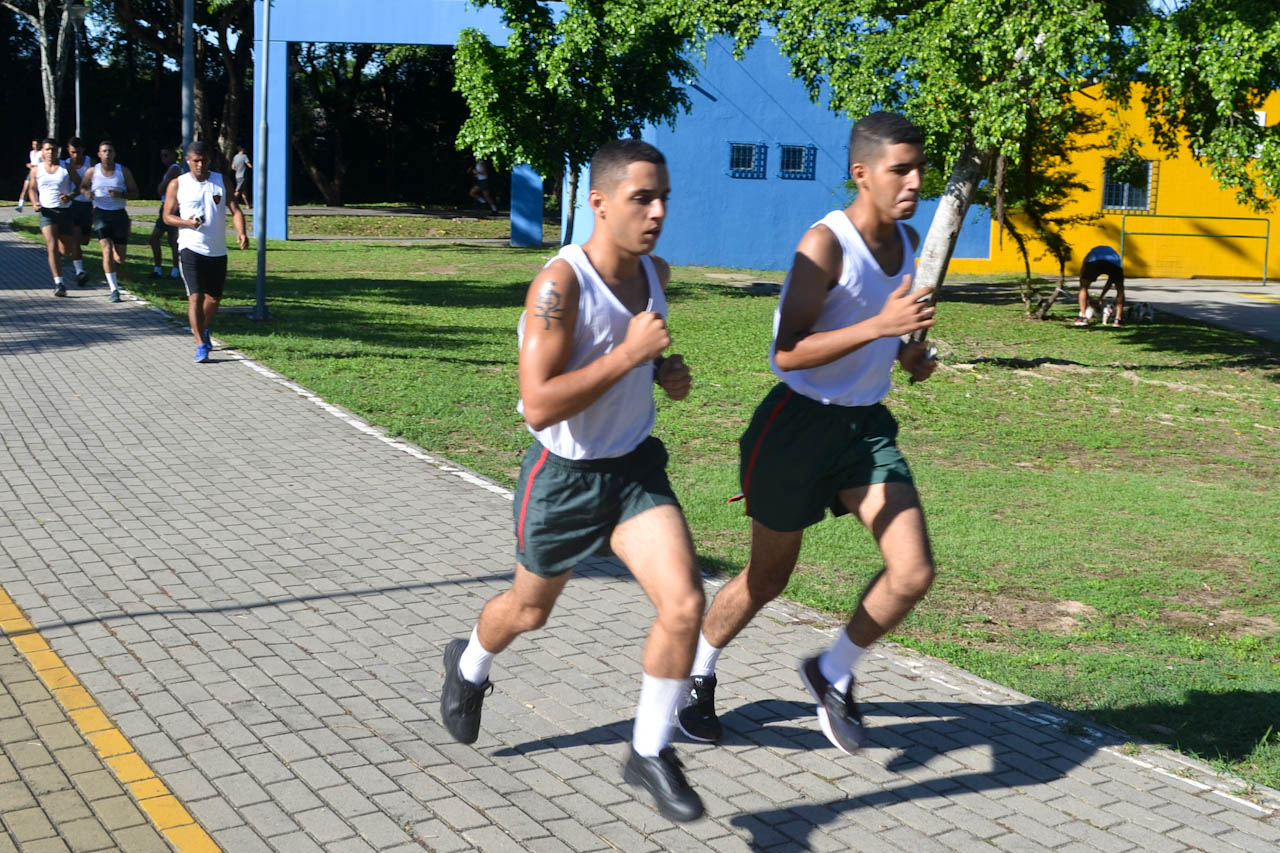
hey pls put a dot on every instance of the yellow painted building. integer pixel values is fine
(1180, 225)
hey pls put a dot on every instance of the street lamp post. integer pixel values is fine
(188, 71)
(77, 12)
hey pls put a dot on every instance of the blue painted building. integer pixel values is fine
(753, 163)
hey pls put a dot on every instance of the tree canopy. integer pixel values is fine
(568, 81)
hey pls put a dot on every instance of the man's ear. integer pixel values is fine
(858, 171)
(597, 201)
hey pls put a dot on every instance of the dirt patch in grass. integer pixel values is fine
(1230, 623)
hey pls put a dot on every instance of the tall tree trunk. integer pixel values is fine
(53, 58)
(940, 242)
(332, 195)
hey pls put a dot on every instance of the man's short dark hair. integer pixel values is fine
(611, 160)
(49, 140)
(872, 133)
(106, 142)
(200, 147)
(76, 141)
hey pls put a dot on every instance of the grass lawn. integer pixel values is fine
(462, 226)
(1102, 502)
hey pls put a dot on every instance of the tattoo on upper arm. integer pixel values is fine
(547, 306)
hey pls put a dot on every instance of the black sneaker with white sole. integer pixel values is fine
(59, 290)
(82, 278)
(662, 776)
(698, 719)
(460, 700)
(841, 721)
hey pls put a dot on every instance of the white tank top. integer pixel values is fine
(50, 184)
(35, 158)
(83, 166)
(102, 182)
(207, 198)
(622, 417)
(860, 378)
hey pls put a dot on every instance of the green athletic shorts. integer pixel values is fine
(59, 217)
(111, 225)
(82, 215)
(797, 455)
(566, 509)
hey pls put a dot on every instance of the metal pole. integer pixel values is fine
(188, 71)
(75, 37)
(260, 171)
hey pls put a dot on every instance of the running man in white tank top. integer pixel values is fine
(822, 439)
(592, 336)
(33, 160)
(50, 194)
(196, 204)
(77, 162)
(110, 185)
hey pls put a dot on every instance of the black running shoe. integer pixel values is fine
(841, 721)
(460, 700)
(82, 278)
(59, 291)
(662, 777)
(698, 719)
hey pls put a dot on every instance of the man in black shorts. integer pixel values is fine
(1101, 260)
(595, 480)
(197, 203)
(161, 231)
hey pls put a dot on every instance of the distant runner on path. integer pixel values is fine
(111, 186)
(240, 165)
(77, 162)
(160, 230)
(33, 160)
(595, 480)
(50, 193)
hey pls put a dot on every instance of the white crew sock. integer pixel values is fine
(658, 700)
(704, 660)
(476, 661)
(79, 265)
(57, 281)
(837, 662)
(111, 280)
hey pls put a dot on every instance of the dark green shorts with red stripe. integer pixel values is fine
(797, 455)
(566, 509)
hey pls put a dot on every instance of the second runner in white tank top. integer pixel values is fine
(860, 378)
(102, 182)
(622, 417)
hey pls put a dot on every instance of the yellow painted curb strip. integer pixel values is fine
(1260, 297)
(168, 815)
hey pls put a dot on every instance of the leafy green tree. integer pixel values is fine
(329, 104)
(1208, 65)
(223, 48)
(977, 75)
(569, 80)
(982, 76)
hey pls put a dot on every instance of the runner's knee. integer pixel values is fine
(681, 613)
(911, 580)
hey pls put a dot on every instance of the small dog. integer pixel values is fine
(1136, 312)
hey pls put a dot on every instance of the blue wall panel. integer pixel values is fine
(719, 220)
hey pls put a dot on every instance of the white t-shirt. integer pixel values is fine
(622, 417)
(207, 198)
(861, 377)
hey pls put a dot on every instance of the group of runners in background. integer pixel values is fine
(76, 197)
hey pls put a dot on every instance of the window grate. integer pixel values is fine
(747, 159)
(1131, 191)
(797, 162)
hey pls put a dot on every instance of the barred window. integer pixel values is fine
(747, 159)
(1128, 188)
(797, 162)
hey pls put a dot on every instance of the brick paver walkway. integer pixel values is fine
(256, 590)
